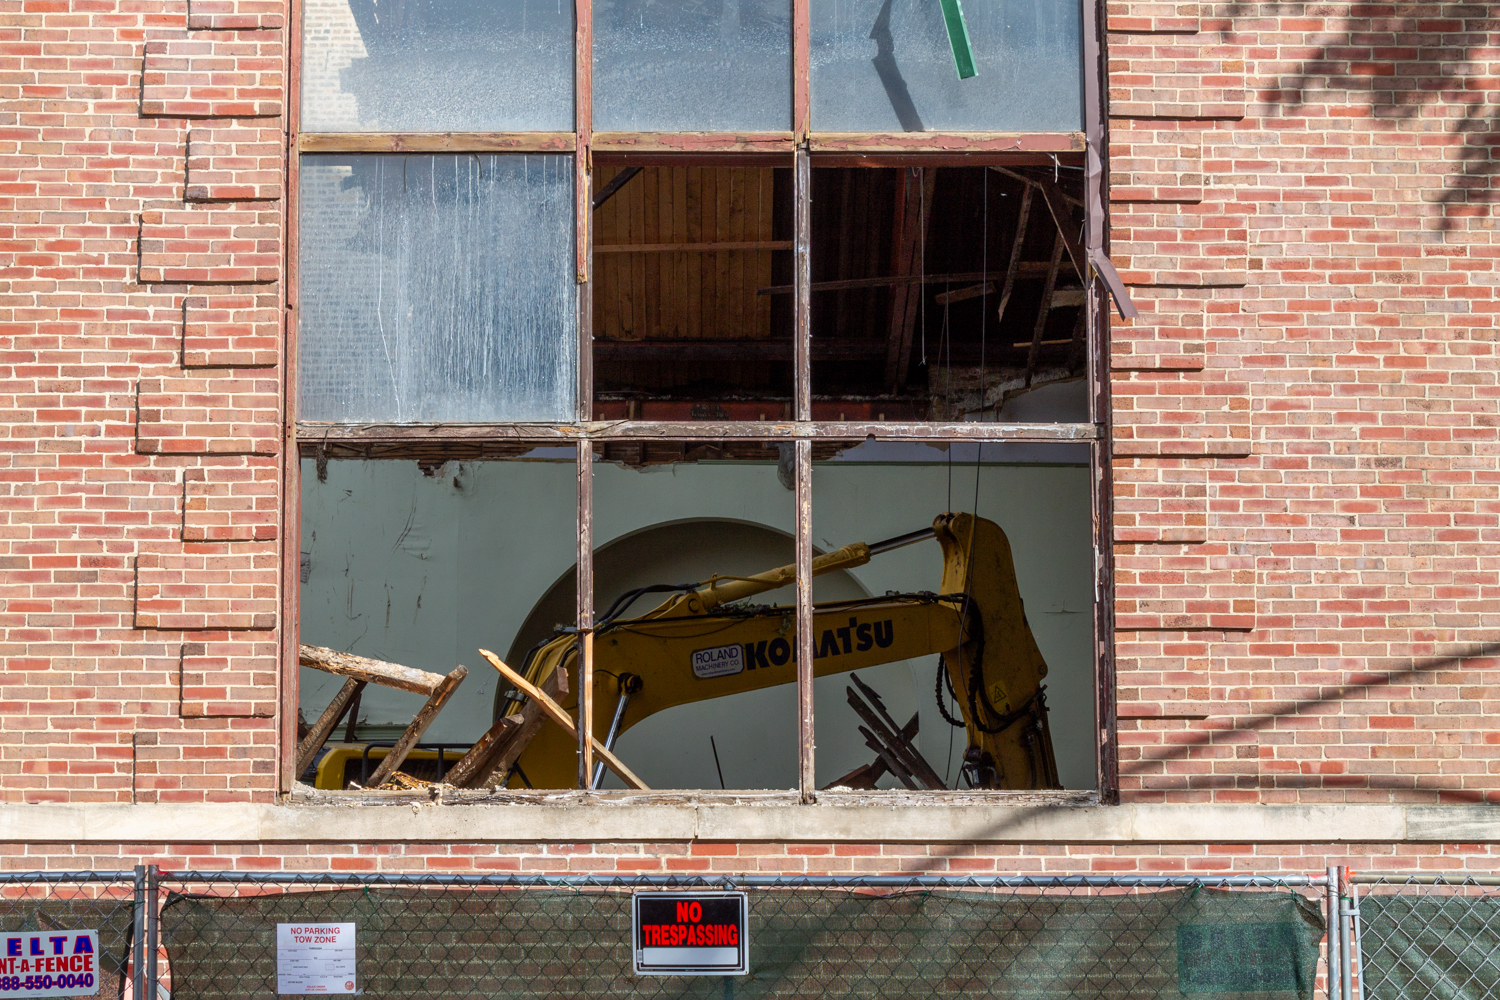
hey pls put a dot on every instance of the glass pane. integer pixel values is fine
(1032, 617)
(437, 288)
(692, 65)
(684, 326)
(893, 66)
(399, 563)
(677, 513)
(949, 293)
(437, 66)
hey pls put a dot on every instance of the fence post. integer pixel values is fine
(138, 936)
(1347, 948)
(1335, 939)
(153, 990)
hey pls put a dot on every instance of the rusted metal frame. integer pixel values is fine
(947, 142)
(693, 142)
(584, 575)
(585, 583)
(802, 284)
(437, 142)
(1107, 770)
(947, 158)
(801, 69)
(1044, 308)
(289, 673)
(583, 102)
(700, 430)
(807, 784)
(802, 466)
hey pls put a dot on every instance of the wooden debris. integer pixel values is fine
(347, 697)
(889, 741)
(392, 675)
(557, 715)
(419, 725)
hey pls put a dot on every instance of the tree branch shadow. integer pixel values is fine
(1369, 681)
(1425, 67)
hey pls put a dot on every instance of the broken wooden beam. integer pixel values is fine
(346, 697)
(556, 714)
(435, 702)
(363, 668)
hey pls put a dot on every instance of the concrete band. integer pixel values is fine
(607, 821)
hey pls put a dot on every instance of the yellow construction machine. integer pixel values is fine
(707, 641)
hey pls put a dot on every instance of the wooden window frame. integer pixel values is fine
(797, 148)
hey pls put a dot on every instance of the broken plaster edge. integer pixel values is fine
(625, 823)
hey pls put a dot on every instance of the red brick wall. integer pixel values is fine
(808, 858)
(1305, 454)
(1307, 545)
(139, 593)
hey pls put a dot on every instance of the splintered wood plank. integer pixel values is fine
(606, 294)
(723, 305)
(327, 722)
(362, 668)
(845, 251)
(667, 303)
(695, 261)
(652, 234)
(761, 304)
(680, 281)
(635, 273)
(737, 263)
(429, 713)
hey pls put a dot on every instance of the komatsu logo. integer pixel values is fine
(856, 637)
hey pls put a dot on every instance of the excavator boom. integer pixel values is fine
(703, 644)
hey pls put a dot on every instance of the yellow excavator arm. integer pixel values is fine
(704, 644)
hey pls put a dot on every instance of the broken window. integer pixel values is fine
(949, 294)
(692, 65)
(966, 660)
(436, 287)
(437, 65)
(680, 528)
(611, 372)
(423, 562)
(683, 327)
(934, 65)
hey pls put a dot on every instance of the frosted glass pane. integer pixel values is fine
(888, 66)
(437, 65)
(692, 65)
(437, 288)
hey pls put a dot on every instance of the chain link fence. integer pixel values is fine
(426, 937)
(213, 935)
(34, 904)
(1424, 937)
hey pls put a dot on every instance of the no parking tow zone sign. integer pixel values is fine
(691, 933)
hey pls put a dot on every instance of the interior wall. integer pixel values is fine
(423, 570)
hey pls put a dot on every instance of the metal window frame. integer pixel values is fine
(800, 147)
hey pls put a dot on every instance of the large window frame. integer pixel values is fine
(799, 148)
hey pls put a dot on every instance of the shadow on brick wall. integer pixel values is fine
(1424, 67)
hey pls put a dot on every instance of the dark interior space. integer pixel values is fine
(938, 292)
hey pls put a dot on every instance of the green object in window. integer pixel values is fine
(958, 37)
